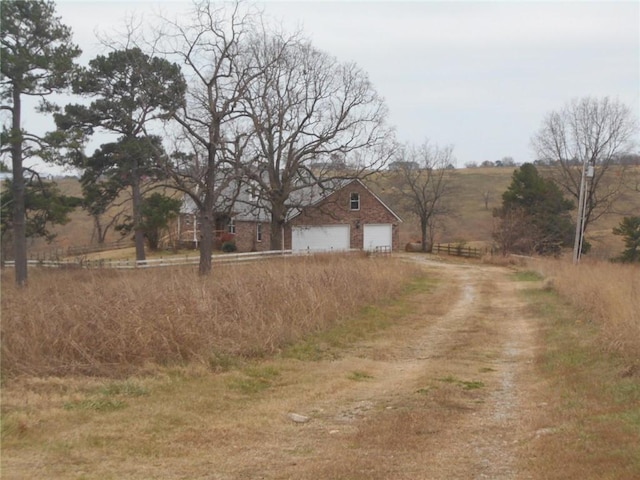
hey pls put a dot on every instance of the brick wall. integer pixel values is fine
(247, 238)
(335, 209)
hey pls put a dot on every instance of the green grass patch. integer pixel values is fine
(125, 389)
(108, 397)
(267, 372)
(626, 390)
(372, 319)
(528, 276)
(96, 404)
(472, 385)
(254, 379)
(223, 362)
(359, 376)
(448, 379)
(466, 385)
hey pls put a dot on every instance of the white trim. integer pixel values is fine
(351, 200)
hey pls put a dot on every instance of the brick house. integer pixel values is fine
(248, 228)
(351, 217)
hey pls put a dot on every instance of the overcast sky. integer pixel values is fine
(480, 76)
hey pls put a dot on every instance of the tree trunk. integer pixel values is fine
(424, 244)
(98, 230)
(207, 220)
(137, 213)
(277, 222)
(19, 220)
(206, 241)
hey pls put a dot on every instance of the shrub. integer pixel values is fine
(229, 247)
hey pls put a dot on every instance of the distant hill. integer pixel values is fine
(471, 223)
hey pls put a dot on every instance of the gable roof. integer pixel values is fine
(341, 185)
(244, 208)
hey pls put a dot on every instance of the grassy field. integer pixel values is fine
(606, 297)
(113, 323)
(154, 382)
(471, 221)
(590, 370)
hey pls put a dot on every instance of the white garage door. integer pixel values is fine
(320, 238)
(377, 236)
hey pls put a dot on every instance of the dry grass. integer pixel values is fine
(605, 294)
(114, 323)
(588, 426)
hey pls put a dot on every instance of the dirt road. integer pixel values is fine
(447, 393)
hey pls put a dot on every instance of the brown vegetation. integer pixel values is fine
(473, 371)
(588, 380)
(112, 323)
(605, 294)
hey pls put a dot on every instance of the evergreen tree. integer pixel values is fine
(131, 90)
(535, 214)
(157, 211)
(629, 228)
(37, 60)
(44, 205)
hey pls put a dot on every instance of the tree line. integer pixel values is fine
(221, 102)
(206, 105)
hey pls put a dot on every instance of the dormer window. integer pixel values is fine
(355, 201)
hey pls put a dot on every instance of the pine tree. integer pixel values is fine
(131, 91)
(629, 228)
(37, 60)
(538, 209)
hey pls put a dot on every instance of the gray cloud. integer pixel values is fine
(479, 75)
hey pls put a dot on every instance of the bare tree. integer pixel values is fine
(511, 231)
(486, 196)
(588, 132)
(423, 190)
(313, 120)
(209, 46)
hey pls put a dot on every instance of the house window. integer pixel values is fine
(355, 201)
(259, 232)
(232, 226)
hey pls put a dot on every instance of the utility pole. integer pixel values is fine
(587, 173)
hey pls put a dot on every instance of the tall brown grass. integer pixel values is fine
(607, 294)
(102, 322)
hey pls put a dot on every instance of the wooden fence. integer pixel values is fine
(182, 260)
(104, 247)
(458, 250)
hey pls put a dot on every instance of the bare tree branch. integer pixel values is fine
(588, 131)
(421, 182)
